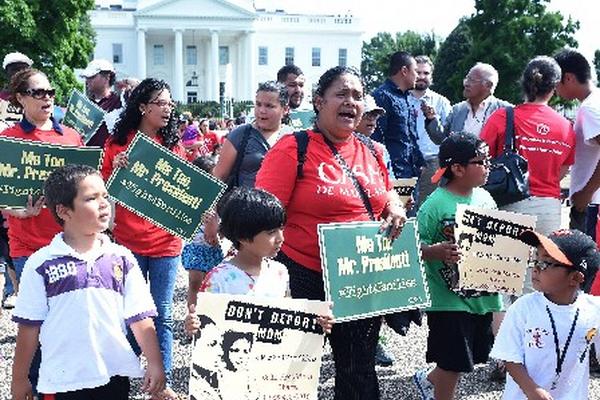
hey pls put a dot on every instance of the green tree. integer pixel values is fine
(376, 53)
(55, 34)
(597, 66)
(508, 33)
(452, 51)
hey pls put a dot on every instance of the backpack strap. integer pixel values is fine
(235, 171)
(509, 133)
(367, 141)
(302, 145)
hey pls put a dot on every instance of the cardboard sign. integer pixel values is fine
(9, 113)
(366, 274)
(493, 259)
(405, 188)
(163, 188)
(256, 348)
(83, 115)
(25, 165)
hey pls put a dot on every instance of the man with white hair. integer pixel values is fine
(469, 115)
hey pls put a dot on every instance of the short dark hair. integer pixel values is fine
(540, 77)
(275, 87)
(458, 148)
(329, 76)
(284, 71)
(62, 184)
(205, 163)
(246, 212)
(398, 60)
(574, 62)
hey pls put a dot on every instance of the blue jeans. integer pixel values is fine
(161, 272)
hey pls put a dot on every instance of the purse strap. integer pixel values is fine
(509, 133)
(353, 178)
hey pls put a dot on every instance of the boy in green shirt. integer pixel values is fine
(460, 322)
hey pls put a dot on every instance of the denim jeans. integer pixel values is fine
(161, 272)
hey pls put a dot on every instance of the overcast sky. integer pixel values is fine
(439, 16)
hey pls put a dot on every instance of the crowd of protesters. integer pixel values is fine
(283, 182)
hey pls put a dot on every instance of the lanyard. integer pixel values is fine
(560, 358)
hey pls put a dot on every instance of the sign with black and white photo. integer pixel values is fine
(493, 259)
(256, 348)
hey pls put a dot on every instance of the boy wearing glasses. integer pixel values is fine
(545, 337)
(460, 322)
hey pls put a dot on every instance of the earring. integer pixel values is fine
(143, 112)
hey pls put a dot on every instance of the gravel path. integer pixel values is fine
(395, 382)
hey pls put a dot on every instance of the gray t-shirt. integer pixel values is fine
(255, 151)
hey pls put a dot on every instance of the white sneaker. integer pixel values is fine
(10, 302)
(426, 388)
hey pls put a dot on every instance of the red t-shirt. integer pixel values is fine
(132, 231)
(544, 137)
(27, 235)
(324, 194)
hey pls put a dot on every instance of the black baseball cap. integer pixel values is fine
(570, 247)
(458, 148)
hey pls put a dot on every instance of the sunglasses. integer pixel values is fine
(39, 93)
(485, 162)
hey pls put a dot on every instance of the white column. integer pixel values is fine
(141, 53)
(251, 61)
(207, 63)
(214, 63)
(240, 69)
(178, 72)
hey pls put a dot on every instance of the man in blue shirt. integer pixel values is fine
(397, 128)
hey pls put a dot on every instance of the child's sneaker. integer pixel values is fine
(426, 388)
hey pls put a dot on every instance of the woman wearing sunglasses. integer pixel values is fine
(33, 227)
(149, 110)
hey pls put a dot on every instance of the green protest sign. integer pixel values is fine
(25, 165)
(302, 119)
(163, 188)
(83, 115)
(366, 274)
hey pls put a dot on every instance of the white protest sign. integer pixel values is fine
(256, 348)
(493, 259)
(405, 188)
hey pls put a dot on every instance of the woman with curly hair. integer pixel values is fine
(150, 111)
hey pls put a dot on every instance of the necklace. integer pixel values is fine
(560, 357)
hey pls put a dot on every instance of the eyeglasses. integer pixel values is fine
(544, 265)
(468, 79)
(39, 93)
(163, 103)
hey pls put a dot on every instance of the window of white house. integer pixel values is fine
(191, 55)
(289, 55)
(343, 57)
(316, 56)
(159, 54)
(117, 51)
(223, 55)
(263, 55)
(192, 97)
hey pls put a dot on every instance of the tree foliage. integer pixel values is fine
(451, 54)
(56, 34)
(376, 53)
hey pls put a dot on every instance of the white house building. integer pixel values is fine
(210, 48)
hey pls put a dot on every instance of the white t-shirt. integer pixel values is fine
(526, 337)
(82, 305)
(587, 150)
(273, 280)
(442, 108)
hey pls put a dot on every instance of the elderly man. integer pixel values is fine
(469, 115)
(397, 128)
(99, 79)
(423, 95)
